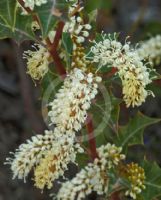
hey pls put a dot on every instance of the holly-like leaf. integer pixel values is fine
(8, 9)
(132, 133)
(46, 17)
(68, 47)
(153, 181)
(12, 23)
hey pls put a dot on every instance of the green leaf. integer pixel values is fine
(68, 47)
(82, 159)
(132, 133)
(91, 5)
(153, 181)
(50, 85)
(47, 19)
(5, 30)
(22, 29)
(12, 23)
(8, 9)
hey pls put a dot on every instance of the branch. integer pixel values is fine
(91, 137)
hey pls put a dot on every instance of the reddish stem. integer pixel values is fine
(53, 49)
(91, 137)
(111, 73)
(52, 46)
(115, 196)
(28, 10)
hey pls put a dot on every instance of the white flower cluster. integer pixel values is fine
(37, 61)
(94, 177)
(76, 26)
(69, 108)
(110, 155)
(48, 156)
(55, 162)
(91, 178)
(52, 152)
(134, 75)
(29, 154)
(151, 50)
(32, 3)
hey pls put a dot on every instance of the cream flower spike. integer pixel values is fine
(46, 155)
(37, 61)
(55, 162)
(133, 73)
(151, 50)
(94, 177)
(29, 154)
(69, 108)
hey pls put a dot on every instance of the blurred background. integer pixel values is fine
(20, 103)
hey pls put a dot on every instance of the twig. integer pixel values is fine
(53, 49)
(91, 137)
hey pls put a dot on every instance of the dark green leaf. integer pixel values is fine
(132, 133)
(12, 23)
(153, 181)
(47, 19)
(91, 5)
(68, 47)
(8, 9)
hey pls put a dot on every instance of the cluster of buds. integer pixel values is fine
(76, 26)
(110, 155)
(133, 73)
(151, 50)
(78, 58)
(136, 177)
(94, 177)
(78, 29)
